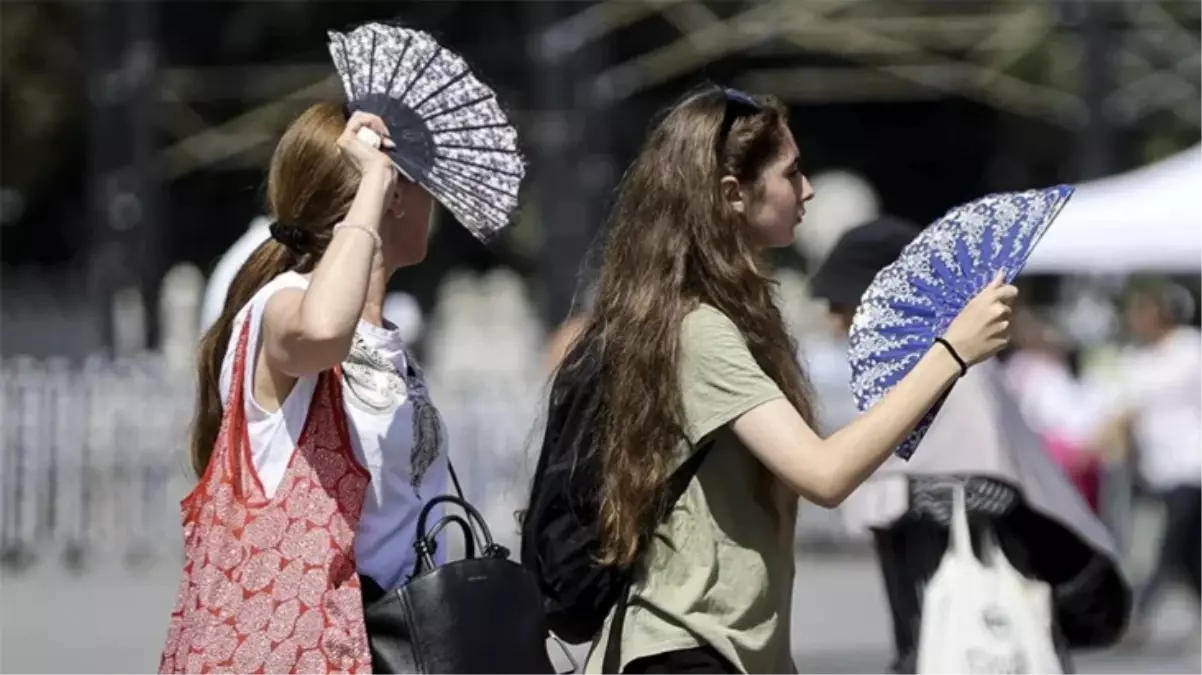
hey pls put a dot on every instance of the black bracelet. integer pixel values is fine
(952, 350)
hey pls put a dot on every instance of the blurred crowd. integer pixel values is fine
(1107, 376)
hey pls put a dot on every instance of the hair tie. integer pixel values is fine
(295, 239)
(955, 355)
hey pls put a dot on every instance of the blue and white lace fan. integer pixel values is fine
(451, 136)
(912, 301)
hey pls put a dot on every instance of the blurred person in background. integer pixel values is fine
(825, 352)
(227, 267)
(693, 350)
(1159, 419)
(1011, 485)
(338, 427)
(561, 339)
(1062, 409)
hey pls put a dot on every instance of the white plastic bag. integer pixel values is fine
(984, 618)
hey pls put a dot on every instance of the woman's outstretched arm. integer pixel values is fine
(826, 471)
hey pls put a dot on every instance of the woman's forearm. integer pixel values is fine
(334, 300)
(825, 471)
(863, 445)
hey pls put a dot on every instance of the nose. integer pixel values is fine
(807, 190)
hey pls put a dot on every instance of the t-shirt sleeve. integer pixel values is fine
(719, 378)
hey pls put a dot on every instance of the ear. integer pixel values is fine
(396, 204)
(409, 192)
(732, 192)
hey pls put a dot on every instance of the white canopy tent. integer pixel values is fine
(1146, 220)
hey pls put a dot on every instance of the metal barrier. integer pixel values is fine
(94, 460)
(92, 455)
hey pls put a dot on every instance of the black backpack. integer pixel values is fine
(560, 530)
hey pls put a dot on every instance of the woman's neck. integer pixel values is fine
(377, 288)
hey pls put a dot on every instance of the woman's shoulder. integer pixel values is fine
(289, 279)
(707, 334)
(705, 318)
(253, 311)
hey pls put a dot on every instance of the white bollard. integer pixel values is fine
(129, 321)
(179, 319)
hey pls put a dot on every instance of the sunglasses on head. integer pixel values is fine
(738, 104)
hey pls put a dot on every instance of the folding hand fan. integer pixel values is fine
(912, 301)
(451, 136)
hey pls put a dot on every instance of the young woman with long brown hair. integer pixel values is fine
(694, 350)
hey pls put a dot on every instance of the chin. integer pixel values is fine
(412, 256)
(780, 239)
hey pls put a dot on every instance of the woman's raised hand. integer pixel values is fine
(365, 157)
(982, 328)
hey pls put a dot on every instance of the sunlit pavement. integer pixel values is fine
(113, 620)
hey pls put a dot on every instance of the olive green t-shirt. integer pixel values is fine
(719, 571)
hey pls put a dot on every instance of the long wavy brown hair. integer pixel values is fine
(310, 186)
(673, 242)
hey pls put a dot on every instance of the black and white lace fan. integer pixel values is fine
(451, 135)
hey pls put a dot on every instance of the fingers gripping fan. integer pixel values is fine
(451, 135)
(912, 301)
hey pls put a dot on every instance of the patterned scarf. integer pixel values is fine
(376, 387)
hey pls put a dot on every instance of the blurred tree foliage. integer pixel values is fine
(42, 91)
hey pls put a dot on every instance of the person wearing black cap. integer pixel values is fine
(854, 261)
(1012, 486)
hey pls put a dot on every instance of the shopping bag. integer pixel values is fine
(983, 617)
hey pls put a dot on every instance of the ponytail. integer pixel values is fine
(268, 261)
(309, 187)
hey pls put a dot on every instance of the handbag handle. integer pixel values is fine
(959, 536)
(472, 513)
(425, 544)
(426, 553)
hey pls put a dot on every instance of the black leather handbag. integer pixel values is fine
(480, 614)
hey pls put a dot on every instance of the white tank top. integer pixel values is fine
(405, 456)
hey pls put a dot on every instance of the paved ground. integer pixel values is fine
(112, 620)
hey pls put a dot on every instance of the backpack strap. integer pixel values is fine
(677, 484)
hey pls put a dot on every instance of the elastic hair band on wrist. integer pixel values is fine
(352, 226)
(955, 355)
